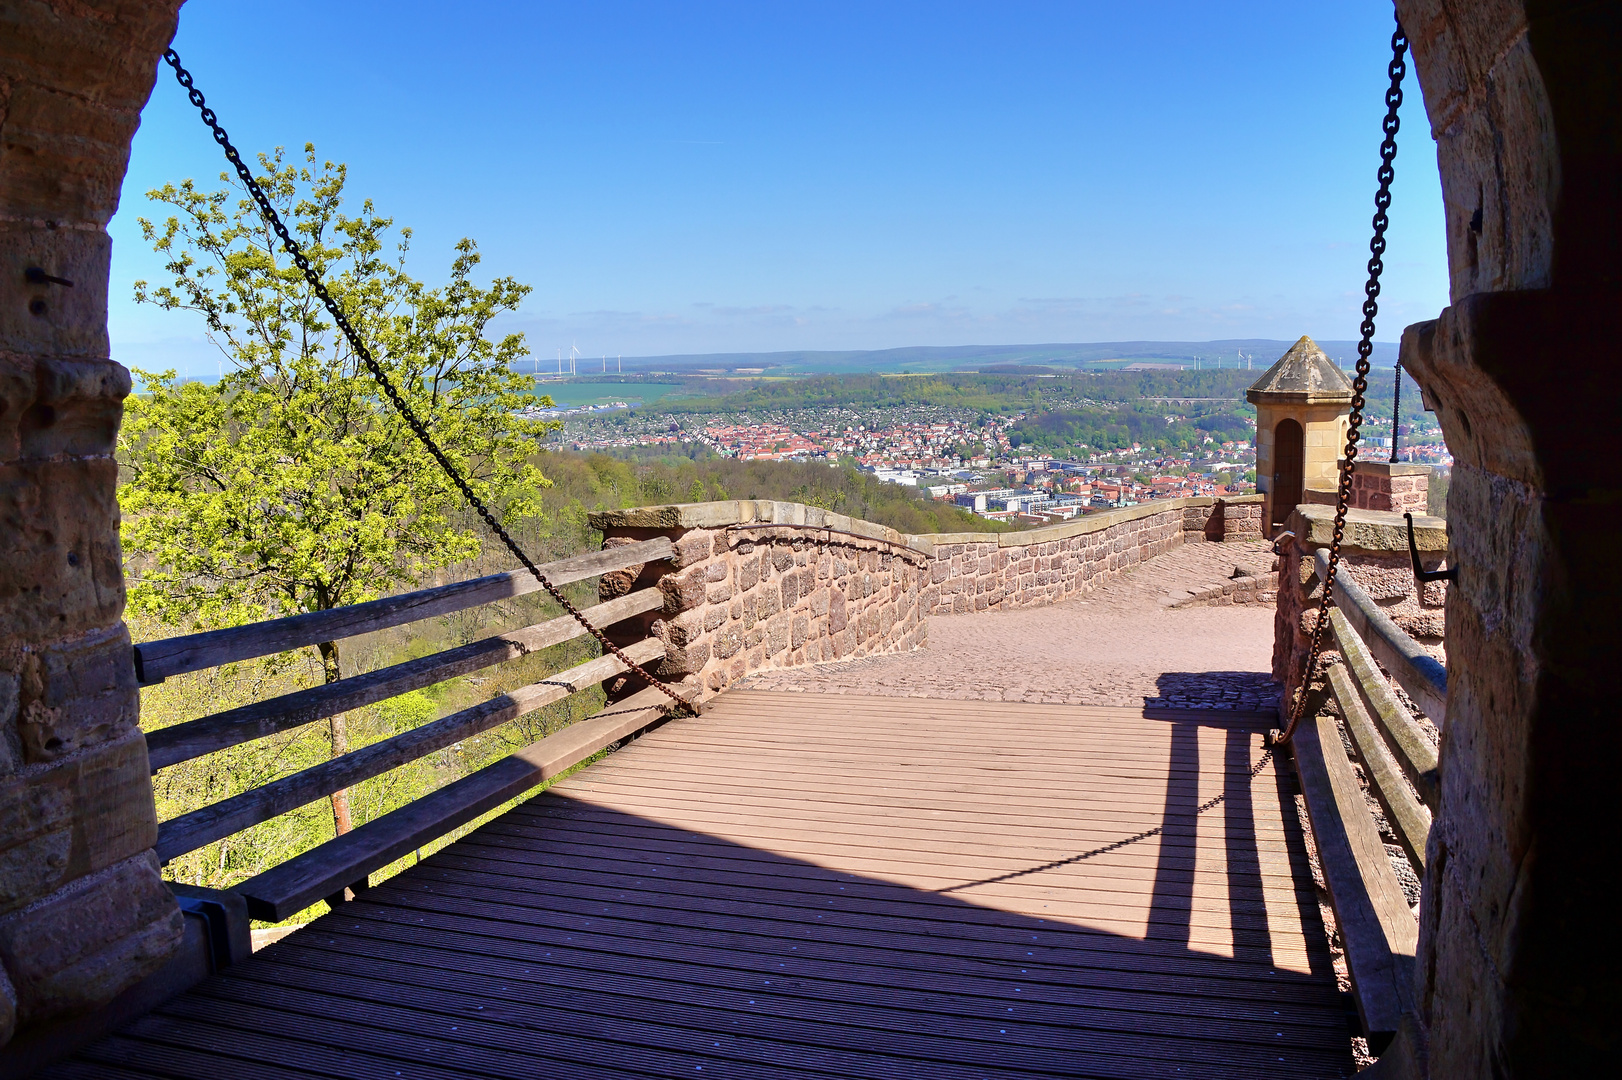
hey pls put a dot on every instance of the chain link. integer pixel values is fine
(1365, 346)
(418, 428)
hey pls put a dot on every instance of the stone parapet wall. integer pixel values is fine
(1396, 486)
(757, 585)
(1374, 554)
(987, 571)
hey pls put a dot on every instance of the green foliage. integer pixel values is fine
(1117, 427)
(582, 483)
(410, 709)
(1436, 495)
(291, 485)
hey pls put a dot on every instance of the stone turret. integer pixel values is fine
(1302, 407)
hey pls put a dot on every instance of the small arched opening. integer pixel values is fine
(1289, 451)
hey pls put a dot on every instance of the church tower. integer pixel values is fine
(1303, 404)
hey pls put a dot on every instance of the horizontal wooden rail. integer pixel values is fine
(1377, 929)
(1415, 670)
(347, 860)
(1408, 744)
(1409, 820)
(182, 742)
(157, 660)
(210, 823)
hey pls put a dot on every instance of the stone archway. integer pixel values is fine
(1523, 101)
(1523, 104)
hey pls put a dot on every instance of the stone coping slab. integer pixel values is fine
(1389, 468)
(720, 515)
(1366, 530)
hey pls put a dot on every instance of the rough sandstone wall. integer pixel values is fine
(753, 586)
(83, 912)
(988, 571)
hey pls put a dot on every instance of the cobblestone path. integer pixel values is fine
(1118, 645)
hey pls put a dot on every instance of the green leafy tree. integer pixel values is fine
(291, 485)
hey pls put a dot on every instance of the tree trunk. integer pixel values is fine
(339, 731)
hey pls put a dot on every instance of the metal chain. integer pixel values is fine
(418, 428)
(1365, 346)
(1396, 409)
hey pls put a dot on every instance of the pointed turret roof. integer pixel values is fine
(1303, 374)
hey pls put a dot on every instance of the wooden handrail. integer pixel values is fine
(347, 860)
(1415, 670)
(157, 660)
(194, 738)
(1409, 819)
(218, 820)
(1377, 928)
(1403, 737)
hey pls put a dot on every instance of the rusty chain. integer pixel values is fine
(418, 428)
(1365, 346)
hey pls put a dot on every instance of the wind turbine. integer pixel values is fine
(574, 355)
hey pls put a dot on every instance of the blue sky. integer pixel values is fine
(707, 177)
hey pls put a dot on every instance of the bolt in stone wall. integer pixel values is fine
(83, 911)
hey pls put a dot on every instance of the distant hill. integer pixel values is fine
(1009, 359)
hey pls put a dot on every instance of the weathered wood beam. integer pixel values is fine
(1379, 932)
(1408, 744)
(1415, 670)
(1409, 819)
(210, 823)
(322, 871)
(182, 742)
(157, 660)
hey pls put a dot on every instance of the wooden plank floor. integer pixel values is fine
(801, 885)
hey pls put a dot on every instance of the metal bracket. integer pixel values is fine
(1279, 539)
(1420, 573)
(36, 275)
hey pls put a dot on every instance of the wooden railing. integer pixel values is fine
(346, 861)
(1377, 928)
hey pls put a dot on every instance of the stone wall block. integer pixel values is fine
(683, 592)
(691, 548)
(91, 939)
(50, 320)
(683, 660)
(53, 407)
(74, 816)
(77, 693)
(62, 573)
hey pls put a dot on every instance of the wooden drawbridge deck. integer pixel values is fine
(809, 885)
